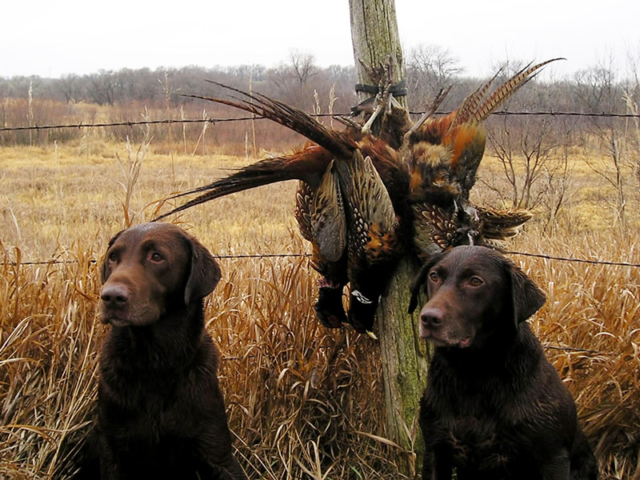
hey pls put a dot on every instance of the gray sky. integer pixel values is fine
(53, 38)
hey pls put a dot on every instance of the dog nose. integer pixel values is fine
(115, 295)
(431, 317)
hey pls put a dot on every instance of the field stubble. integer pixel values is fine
(303, 401)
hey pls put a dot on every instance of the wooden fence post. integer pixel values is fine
(374, 31)
(374, 34)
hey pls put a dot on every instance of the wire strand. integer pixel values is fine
(308, 255)
(334, 115)
(223, 257)
(576, 260)
(546, 346)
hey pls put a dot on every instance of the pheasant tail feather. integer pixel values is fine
(506, 90)
(306, 165)
(285, 115)
(470, 104)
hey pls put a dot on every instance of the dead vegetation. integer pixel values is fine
(304, 402)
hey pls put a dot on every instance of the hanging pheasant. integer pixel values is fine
(362, 203)
(443, 156)
(321, 194)
(320, 215)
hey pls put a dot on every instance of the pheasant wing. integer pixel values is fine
(372, 240)
(372, 217)
(327, 217)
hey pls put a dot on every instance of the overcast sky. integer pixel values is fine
(53, 38)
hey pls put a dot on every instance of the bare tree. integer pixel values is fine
(524, 153)
(526, 147)
(303, 66)
(291, 80)
(598, 92)
(71, 88)
(433, 67)
(557, 176)
(101, 87)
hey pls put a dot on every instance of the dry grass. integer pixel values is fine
(303, 402)
(595, 308)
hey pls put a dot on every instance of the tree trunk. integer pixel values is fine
(374, 31)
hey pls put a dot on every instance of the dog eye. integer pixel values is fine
(475, 281)
(433, 276)
(156, 257)
(113, 257)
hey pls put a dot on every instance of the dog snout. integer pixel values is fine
(431, 317)
(115, 296)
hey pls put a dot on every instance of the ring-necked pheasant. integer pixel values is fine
(362, 204)
(321, 194)
(443, 156)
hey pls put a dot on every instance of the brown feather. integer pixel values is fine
(307, 165)
(470, 104)
(285, 115)
(302, 211)
(327, 217)
(506, 90)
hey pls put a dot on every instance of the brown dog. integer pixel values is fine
(161, 412)
(494, 407)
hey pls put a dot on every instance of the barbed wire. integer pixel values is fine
(223, 257)
(128, 123)
(308, 255)
(213, 121)
(570, 114)
(236, 358)
(577, 350)
(576, 260)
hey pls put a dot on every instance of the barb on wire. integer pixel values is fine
(334, 115)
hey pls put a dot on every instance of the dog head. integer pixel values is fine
(151, 269)
(472, 292)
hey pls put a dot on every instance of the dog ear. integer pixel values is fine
(205, 273)
(417, 283)
(103, 266)
(526, 297)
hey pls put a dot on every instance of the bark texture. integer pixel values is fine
(374, 32)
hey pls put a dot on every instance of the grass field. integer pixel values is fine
(303, 401)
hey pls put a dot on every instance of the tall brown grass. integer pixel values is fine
(303, 401)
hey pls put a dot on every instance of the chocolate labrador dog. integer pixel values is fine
(160, 410)
(494, 407)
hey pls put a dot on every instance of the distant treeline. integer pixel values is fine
(129, 95)
(296, 82)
